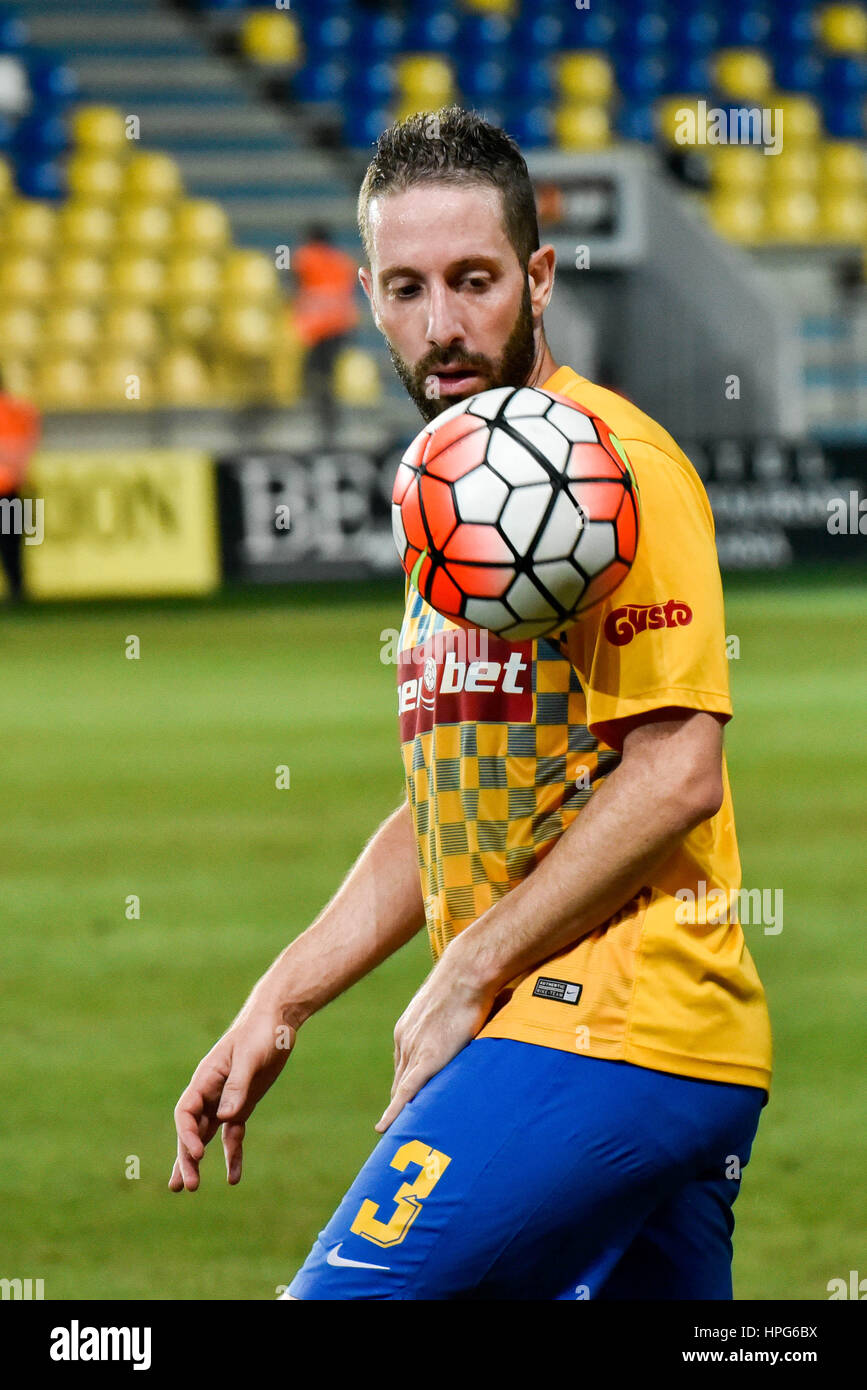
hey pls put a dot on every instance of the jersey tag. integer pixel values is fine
(563, 991)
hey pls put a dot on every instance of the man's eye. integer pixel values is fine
(477, 282)
(405, 291)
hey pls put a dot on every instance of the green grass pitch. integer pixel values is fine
(156, 777)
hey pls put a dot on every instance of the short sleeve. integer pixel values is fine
(659, 640)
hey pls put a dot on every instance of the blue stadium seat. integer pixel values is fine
(642, 75)
(374, 83)
(363, 124)
(533, 81)
(39, 138)
(593, 28)
(798, 70)
(747, 27)
(650, 25)
(378, 35)
(844, 118)
(320, 81)
(530, 126)
(636, 122)
(698, 31)
(51, 80)
(14, 34)
(846, 76)
(41, 179)
(690, 72)
(485, 33)
(433, 32)
(7, 133)
(537, 33)
(327, 36)
(793, 26)
(484, 79)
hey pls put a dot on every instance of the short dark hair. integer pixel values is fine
(453, 146)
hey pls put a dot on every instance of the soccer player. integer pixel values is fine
(579, 1079)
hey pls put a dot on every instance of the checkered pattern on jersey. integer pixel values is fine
(489, 800)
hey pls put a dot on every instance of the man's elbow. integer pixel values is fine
(701, 795)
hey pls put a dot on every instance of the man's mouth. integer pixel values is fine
(453, 380)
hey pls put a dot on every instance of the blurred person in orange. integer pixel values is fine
(20, 429)
(325, 312)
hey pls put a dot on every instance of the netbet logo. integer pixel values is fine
(457, 677)
(622, 624)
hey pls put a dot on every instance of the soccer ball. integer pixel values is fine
(515, 510)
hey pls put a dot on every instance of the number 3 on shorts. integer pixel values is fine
(408, 1198)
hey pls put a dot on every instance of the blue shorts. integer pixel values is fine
(524, 1172)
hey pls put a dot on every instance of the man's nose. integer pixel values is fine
(444, 326)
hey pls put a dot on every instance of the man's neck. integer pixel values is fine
(544, 367)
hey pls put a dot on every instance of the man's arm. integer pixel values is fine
(377, 909)
(668, 781)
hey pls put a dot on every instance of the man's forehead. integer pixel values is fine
(441, 221)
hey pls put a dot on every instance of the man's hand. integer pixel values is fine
(225, 1089)
(445, 1015)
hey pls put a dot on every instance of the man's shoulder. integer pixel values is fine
(621, 415)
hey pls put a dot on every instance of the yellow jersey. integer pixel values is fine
(502, 753)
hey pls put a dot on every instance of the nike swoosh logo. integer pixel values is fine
(335, 1258)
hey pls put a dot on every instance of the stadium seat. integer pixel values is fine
(249, 277)
(792, 216)
(100, 130)
(582, 127)
(669, 117)
(201, 225)
(435, 31)
(132, 328)
(271, 40)
(189, 321)
(17, 375)
(43, 178)
(61, 381)
(84, 226)
(29, 226)
(79, 277)
(745, 26)
(802, 120)
(182, 379)
(194, 278)
(742, 74)
(94, 178)
(7, 183)
(20, 330)
(122, 380)
(40, 137)
(23, 278)
(356, 379)
(844, 164)
(152, 177)
(738, 168)
(144, 227)
(136, 279)
(585, 78)
(247, 330)
(424, 80)
(843, 216)
(71, 328)
(737, 215)
(843, 28)
(318, 82)
(793, 169)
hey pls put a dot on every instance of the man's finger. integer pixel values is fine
(233, 1136)
(410, 1085)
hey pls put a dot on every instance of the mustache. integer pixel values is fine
(453, 362)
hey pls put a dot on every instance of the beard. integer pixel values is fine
(512, 368)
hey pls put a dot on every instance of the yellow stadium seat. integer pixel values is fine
(677, 116)
(17, 373)
(100, 130)
(83, 226)
(144, 227)
(247, 329)
(7, 182)
(61, 381)
(23, 278)
(737, 215)
(248, 276)
(491, 6)
(189, 322)
(585, 77)
(738, 167)
(136, 279)
(271, 39)
(844, 164)
(94, 178)
(122, 381)
(201, 225)
(20, 330)
(843, 216)
(132, 328)
(153, 178)
(71, 328)
(286, 370)
(182, 378)
(792, 216)
(425, 80)
(79, 277)
(192, 278)
(802, 120)
(582, 127)
(843, 28)
(797, 167)
(743, 74)
(29, 225)
(356, 380)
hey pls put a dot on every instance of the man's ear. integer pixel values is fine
(367, 286)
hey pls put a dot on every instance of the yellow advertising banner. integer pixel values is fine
(116, 523)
